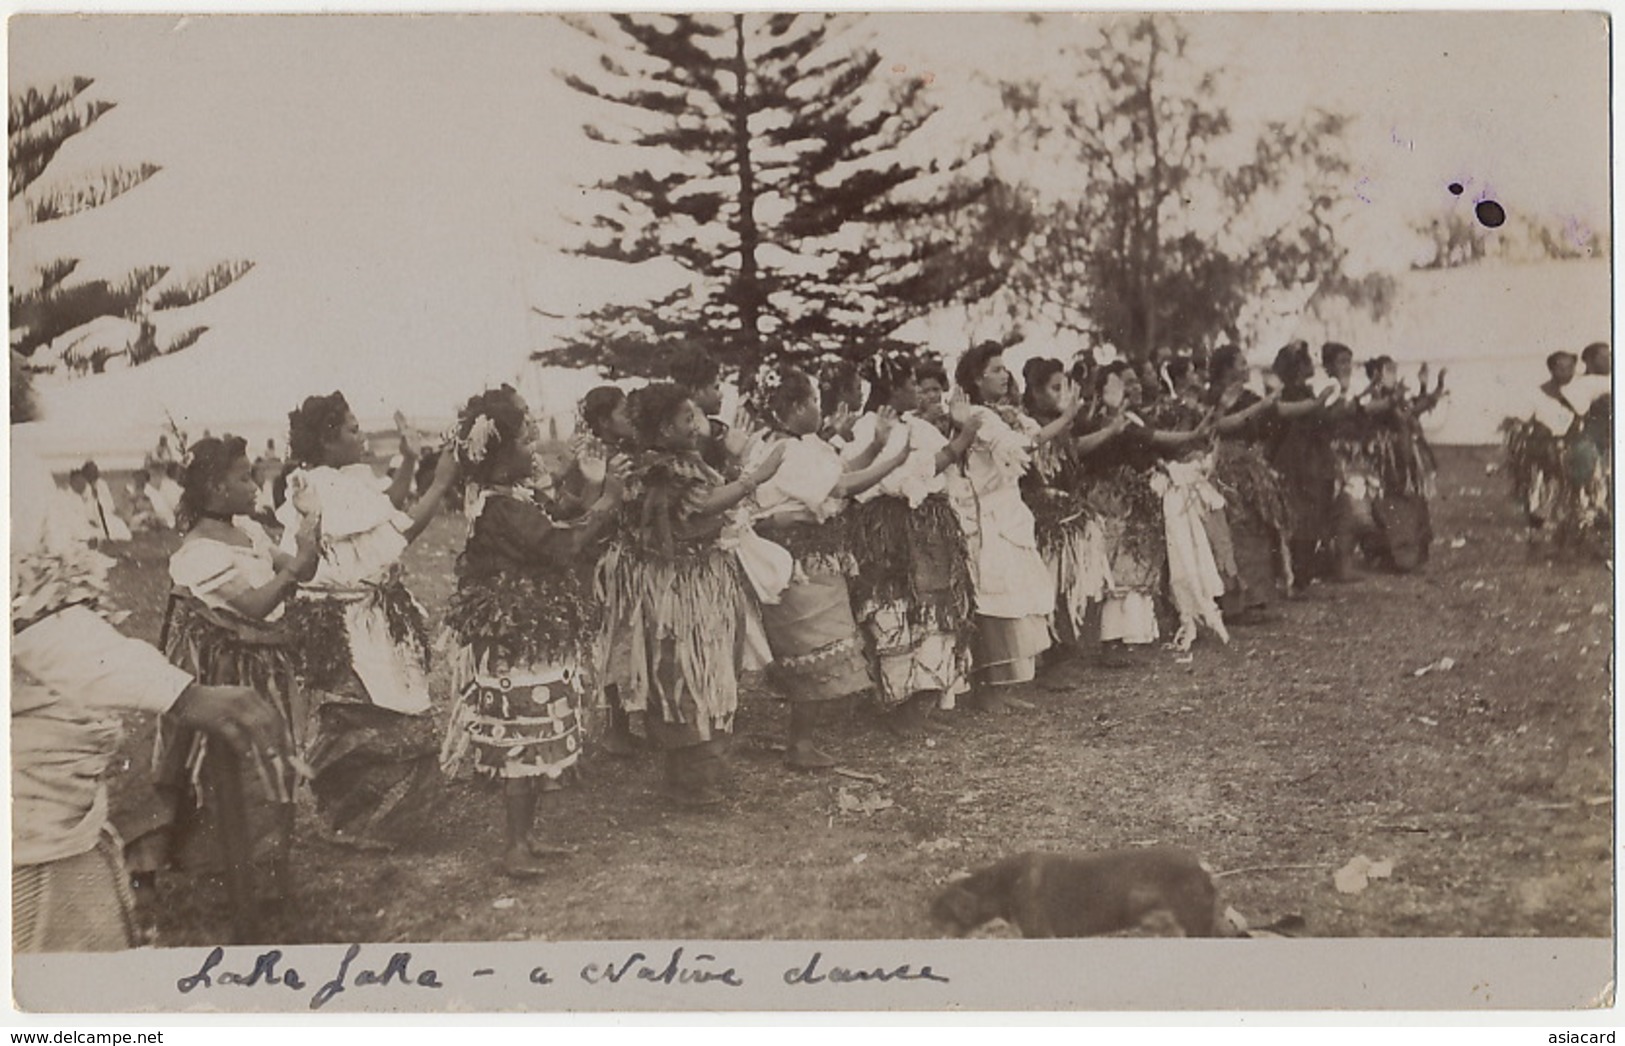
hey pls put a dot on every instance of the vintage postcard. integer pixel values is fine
(797, 511)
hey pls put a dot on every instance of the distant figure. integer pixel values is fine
(144, 515)
(266, 470)
(100, 509)
(160, 457)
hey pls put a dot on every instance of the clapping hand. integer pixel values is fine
(404, 433)
(616, 473)
(885, 421)
(841, 422)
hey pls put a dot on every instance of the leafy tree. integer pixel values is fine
(1170, 230)
(48, 307)
(775, 170)
(1459, 239)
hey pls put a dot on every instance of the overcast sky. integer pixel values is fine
(399, 181)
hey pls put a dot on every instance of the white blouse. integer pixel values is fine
(804, 483)
(216, 572)
(917, 477)
(363, 533)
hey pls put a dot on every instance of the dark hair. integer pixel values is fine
(972, 365)
(652, 407)
(836, 376)
(1223, 360)
(598, 405)
(931, 370)
(91, 470)
(1590, 353)
(1178, 369)
(692, 367)
(506, 412)
(1123, 368)
(884, 371)
(1374, 367)
(775, 390)
(1558, 357)
(314, 425)
(1079, 372)
(207, 462)
(1293, 364)
(1331, 350)
(1036, 373)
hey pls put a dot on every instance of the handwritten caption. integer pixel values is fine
(401, 973)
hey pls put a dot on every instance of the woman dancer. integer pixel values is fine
(1070, 535)
(1302, 455)
(1015, 594)
(912, 590)
(523, 616)
(1256, 504)
(360, 634)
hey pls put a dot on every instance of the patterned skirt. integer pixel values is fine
(77, 904)
(817, 652)
(515, 721)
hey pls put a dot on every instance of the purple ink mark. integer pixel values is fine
(1456, 188)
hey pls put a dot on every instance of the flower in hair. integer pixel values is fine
(480, 436)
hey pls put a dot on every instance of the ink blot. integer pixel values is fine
(1455, 188)
(1491, 215)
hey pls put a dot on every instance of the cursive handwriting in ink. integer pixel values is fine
(396, 971)
(264, 972)
(674, 972)
(810, 974)
(539, 975)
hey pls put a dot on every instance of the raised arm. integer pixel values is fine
(400, 482)
(730, 494)
(445, 474)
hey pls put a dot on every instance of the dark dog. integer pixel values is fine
(1084, 895)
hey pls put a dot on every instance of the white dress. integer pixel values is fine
(363, 537)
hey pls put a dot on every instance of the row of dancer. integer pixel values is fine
(906, 547)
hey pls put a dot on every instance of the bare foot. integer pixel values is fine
(517, 864)
(804, 755)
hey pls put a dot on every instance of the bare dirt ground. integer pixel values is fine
(1309, 741)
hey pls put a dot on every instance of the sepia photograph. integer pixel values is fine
(775, 511)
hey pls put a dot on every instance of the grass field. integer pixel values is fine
(1306, 742)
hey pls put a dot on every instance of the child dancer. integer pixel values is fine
(359, 631)
(818, 655)
(677, 595)
(523, 616)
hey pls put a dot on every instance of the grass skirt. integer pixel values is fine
(77, 904)
(1078, 560)
(1562, 482)
(1137, 549)
(683, 625)
(912, 592)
